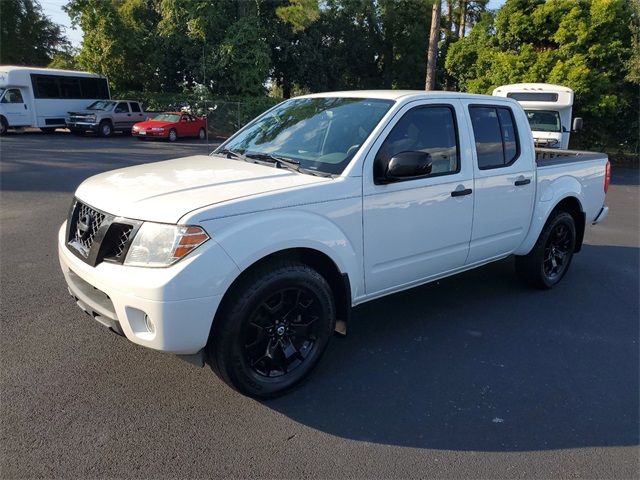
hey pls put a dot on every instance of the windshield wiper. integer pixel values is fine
(289, 163)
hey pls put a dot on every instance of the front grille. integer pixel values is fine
(87, 225)
(96, 236)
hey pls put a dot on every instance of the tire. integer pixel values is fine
(4, 126)
(105, 129)
(258, 345)
(202, 134)
(48, 130)
(550, 258)
(173, 135)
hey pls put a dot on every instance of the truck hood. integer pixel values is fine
(166, 191)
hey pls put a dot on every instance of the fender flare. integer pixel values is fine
(550, 195)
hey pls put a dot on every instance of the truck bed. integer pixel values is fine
(553, 156)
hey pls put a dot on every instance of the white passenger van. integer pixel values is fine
(548, 108)
(41, 97)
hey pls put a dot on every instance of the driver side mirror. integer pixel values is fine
(407, 166)
(577, 124)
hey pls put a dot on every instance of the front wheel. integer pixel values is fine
(105, 129)
(3, 126)
(173, 135)
(202, 134)
(550, 258)
(273, 329)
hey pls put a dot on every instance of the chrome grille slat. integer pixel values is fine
(97, 236)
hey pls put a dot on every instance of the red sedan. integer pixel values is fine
(171, 126)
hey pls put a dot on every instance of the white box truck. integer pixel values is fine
(548, 108)
(42, 97)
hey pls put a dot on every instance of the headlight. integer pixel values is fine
(160, 245)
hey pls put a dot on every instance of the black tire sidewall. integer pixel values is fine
(231, 363)
(561, 218)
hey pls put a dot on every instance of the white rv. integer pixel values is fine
(42, 97)
(548, 108)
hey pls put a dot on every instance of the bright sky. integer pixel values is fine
(53, 9)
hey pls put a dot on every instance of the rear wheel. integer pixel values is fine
(202, 134)
(3, 126)
(550, 258)
(105, 129)
(273, 329)
(173, 135)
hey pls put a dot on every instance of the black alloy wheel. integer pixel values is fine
(557, 251)
(282, 332)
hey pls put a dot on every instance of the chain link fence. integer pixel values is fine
(224, 115)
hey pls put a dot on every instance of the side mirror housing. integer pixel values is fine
(407, 166)
(577, 124)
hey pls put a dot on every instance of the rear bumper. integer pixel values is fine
(604, 211)
(179, 302)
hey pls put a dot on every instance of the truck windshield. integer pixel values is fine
(320, 134)
(544, 120)
(101, 105)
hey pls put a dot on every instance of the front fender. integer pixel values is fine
(249, 238)
(550, 194)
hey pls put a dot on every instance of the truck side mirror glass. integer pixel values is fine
(408, 165)
(577, 124)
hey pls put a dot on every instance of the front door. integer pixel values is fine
(419, 228)
(504, 182)
(15, 110)
(122, 116)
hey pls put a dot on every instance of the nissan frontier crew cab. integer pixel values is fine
(251, 257)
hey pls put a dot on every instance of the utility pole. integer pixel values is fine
(432, 54)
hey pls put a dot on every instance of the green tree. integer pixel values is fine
(27, 36)
(583, 44)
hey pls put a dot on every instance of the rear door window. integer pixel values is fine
(496, 136)
(135, 107)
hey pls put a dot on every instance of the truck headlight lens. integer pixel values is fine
(161, 245)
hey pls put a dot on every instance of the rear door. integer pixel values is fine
(136, 113)
(122, 116)
(504, 182)
(419, 228)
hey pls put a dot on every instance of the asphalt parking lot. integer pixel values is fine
(474, 376)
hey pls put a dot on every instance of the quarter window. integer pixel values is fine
(495, 135)
(430, 129)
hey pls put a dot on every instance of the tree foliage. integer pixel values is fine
(27, 36)
(583, 44)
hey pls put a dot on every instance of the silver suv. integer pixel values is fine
(105, 117)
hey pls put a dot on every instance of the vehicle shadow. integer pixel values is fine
(479, 362)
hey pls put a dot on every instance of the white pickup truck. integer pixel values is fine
(253, 256)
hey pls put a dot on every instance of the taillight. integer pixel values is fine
(607, 176)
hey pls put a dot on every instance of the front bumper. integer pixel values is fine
(149, 134)
(180, 301)
(82, 125)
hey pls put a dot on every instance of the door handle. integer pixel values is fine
(461, 193)
(523, 181)
(128, 114)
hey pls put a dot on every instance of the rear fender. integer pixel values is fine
(550, 194)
